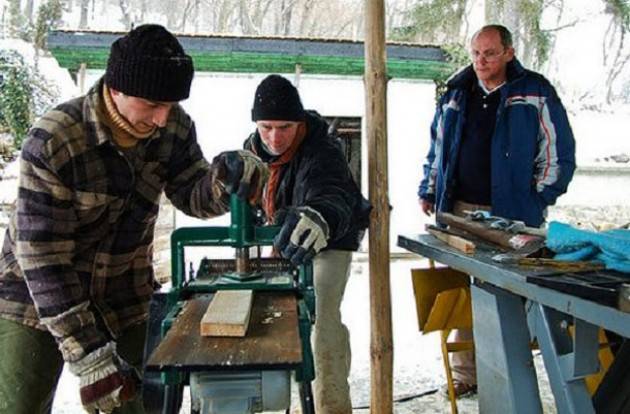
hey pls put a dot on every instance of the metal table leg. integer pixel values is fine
(173, 396)
(567, 360)
(504, 359)
(306, 398)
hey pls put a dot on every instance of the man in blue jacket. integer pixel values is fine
(500, 141)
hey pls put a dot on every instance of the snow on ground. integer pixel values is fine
(600, 135)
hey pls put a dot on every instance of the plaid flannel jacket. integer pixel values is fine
(77, 257)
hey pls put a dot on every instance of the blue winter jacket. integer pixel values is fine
(533, 150)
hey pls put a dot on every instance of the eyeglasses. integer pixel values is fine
(490, 56)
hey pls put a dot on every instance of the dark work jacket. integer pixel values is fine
(318, 177)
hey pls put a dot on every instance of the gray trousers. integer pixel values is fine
(463, 363)
(331, 339)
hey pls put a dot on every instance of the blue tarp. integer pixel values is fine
(612, 247)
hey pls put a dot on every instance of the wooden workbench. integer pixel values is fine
(508, 312)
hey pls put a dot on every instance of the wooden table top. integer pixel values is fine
(272, 340)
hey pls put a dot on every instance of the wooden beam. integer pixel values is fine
(381, 348)
(456, 242)
(227, 314)
(501, 238)
(81, 77)
(240, 62)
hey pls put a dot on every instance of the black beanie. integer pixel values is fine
(277, 99)
(150, 63)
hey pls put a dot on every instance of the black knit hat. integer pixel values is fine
(277, 99)
(150, 63)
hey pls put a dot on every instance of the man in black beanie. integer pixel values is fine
(311, 194)
(77, 273)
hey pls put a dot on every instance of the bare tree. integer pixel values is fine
(262, 10)
(85, 8)
(28, 10)
(171, 7)
(433, 21)
(307, 8)
(252, 15)
(196, 9)
(357, 31)
(286, 13)
(615, 51)
(223, 16)
(396, 10)
(143, 9)
(523, 17)
(125, 9)
(246, 23)
(189, 6)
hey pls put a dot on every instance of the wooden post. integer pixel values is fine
(81, 77)
(298, 75)
(376, 126)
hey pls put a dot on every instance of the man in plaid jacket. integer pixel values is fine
(76, 270)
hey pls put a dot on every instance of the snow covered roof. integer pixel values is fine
(229, 53)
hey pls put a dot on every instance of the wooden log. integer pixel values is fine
(452, 240)
(381, 348)
(499, 237)
(227, 314)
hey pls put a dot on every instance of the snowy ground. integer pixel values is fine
(418, 365)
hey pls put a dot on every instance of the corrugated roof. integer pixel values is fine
(261, 54)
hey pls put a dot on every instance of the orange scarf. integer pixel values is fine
(269, 198)
(125, 135)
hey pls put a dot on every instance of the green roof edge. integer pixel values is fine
(249, 62)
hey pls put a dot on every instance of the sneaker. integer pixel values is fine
(461, 389)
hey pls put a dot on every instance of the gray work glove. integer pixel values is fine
(105, 380)
(240, 172)
(303, 234)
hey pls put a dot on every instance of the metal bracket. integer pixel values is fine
(567, 360)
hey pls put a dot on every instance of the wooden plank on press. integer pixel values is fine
(272, 340)
(227, 314)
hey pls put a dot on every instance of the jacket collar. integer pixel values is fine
(94, 112)
(466, 77)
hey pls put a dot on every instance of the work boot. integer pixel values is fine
(461, 389)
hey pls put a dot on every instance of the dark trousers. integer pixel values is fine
(31, 364)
